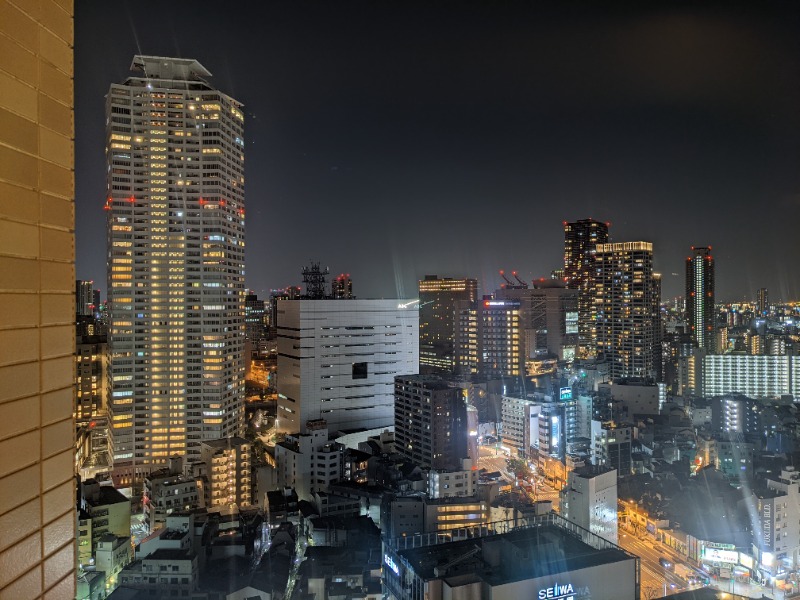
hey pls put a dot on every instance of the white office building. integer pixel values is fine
(590, 500)
(175, 206)
(520, 423)
(337, 360)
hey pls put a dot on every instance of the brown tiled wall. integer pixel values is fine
(37, 276)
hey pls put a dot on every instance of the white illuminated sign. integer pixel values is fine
(719, 555)
(562, 591)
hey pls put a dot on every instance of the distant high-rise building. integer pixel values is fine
(762, 302)
(84, 298)
(290, 293)
(255, 320)
(342, 287)
(337, 360)
(175, 151)
(499, 338)
(627, 301)
(439, 304)
(700, 297)
(430, 422)
(90, 377)
(465, 339)
(580, 241)
(549, 318)
(37, 266)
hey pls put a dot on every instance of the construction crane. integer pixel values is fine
(513, 285)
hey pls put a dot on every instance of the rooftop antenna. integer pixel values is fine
(315, 280)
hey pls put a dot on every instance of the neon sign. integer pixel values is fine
(562, 592)
(391, 564)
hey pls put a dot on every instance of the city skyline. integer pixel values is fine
(677, 125)
(189, 439)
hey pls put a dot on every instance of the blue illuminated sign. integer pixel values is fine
(391, 564)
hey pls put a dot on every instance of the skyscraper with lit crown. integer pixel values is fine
(175, 202)
(700, 297)
(627, 300)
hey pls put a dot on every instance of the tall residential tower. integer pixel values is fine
(580, 240)
(175, 202)
(627, 300)
(700, 297)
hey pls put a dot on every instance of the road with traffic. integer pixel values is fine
(657, 580)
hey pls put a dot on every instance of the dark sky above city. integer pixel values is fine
(390, 140)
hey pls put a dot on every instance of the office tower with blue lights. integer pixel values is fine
(175, 214)
(580, 241)
(700, 297)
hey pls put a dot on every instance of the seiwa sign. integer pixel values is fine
(565, 591)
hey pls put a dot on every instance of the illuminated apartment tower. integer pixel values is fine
(440, 301)
(175, 152)
(580, 241)
(229, 464)
(627, 301)
(762, 302)
(342, 288)
(700, 297)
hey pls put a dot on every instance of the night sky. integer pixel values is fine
(389, 140)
